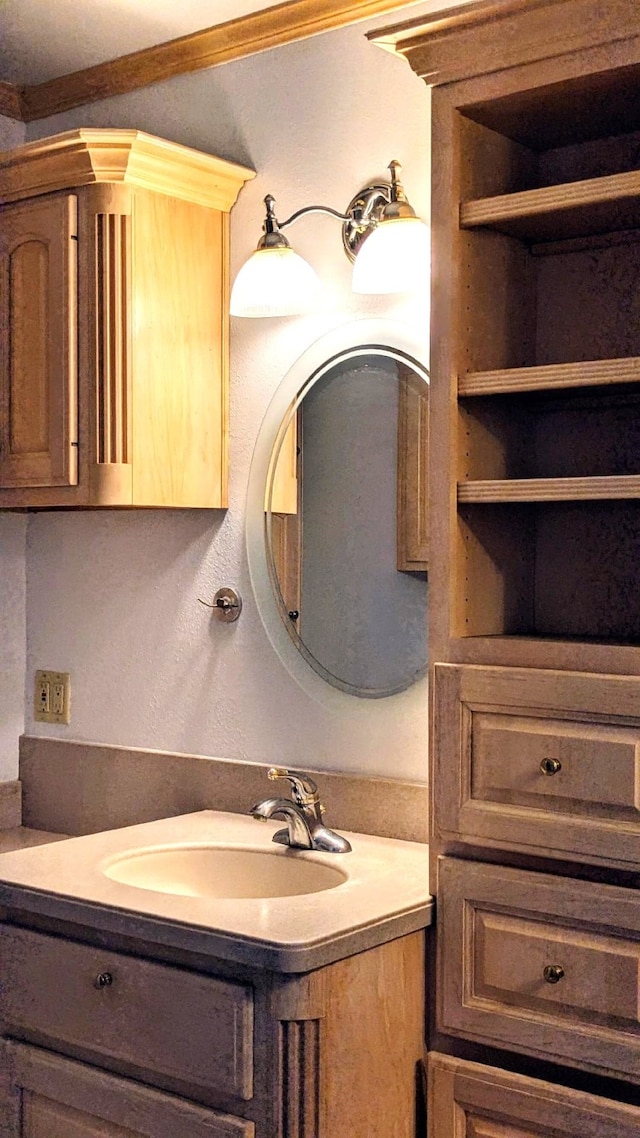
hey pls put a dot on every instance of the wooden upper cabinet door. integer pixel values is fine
(38, 343)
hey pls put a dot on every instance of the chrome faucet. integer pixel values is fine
(305, 829)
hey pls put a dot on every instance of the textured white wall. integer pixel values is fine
(113, 596)
(12, 591)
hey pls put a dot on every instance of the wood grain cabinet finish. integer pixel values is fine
(535, 360)
(539, 964)
(534, 538)
(38, 360)
(97, 1043)
(48, 1096)
(132, 1010)
(471, 1100)
(543, 762)
(114, 345)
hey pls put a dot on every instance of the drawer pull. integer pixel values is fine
(103, 980)
(553, 973)
(550, 766)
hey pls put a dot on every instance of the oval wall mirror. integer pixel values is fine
(342, 460)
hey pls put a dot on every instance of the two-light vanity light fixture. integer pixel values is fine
(381, 234)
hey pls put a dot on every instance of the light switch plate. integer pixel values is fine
(51, 697)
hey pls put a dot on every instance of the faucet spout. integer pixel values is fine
(303, 813)
(297, 832)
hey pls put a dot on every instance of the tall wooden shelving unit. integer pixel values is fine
(534, 564)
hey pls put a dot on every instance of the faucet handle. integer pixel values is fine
(303, 788)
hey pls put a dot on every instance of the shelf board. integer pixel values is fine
(549, 489)
(550, 377)
(572, 209)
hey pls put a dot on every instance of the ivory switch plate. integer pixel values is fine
(51, 697)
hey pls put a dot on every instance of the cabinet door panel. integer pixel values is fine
(470, 1100)
(38, 343)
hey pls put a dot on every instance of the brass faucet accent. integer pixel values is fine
(305, 829)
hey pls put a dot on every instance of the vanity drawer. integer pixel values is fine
(540, 964)
(471, 1100)
(540, 761)
(149, 1016)
(45, 1096)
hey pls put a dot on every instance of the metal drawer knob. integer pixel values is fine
(553, 973)
(550, 766)
(103, 980)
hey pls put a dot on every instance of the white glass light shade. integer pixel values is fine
(393, 258)
(275, 282)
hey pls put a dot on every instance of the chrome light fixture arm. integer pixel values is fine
(378, 202)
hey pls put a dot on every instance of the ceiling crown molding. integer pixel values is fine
(247, 35)
(11, 101)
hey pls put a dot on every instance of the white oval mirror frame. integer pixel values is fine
(361, 338)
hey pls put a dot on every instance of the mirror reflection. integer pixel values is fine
(345, 521)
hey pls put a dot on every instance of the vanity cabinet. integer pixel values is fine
(113, 322)
(535, 531)
(99, 1042)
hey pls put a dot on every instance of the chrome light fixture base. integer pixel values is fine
(361, 213)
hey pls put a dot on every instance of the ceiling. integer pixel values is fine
(43, 39)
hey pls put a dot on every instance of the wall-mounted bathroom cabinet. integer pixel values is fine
(113, 322)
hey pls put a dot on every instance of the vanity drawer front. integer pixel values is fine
(51, 1097)
(151, 1016)
(471, 1100)
(541, 761)
(544, 965)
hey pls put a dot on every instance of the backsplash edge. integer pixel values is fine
(77, 788)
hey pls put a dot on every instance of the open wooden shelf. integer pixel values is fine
(550, 377)
(572, 209)
(549, 489)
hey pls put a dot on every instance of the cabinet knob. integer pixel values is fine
(553, 973)
(550, 766)
(103, 980)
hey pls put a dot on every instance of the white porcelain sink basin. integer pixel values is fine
(223, 871)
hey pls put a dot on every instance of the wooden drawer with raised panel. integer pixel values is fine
(470, 1100)
(540, 761)
(47, 1096)
(151, 1016)
(540, 964)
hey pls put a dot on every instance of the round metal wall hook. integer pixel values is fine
(227, 604)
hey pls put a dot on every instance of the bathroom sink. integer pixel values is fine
(223, 871)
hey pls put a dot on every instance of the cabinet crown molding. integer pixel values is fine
(92, 155)
(489, 35)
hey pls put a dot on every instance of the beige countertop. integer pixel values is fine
(384, 894)
(21, 838)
